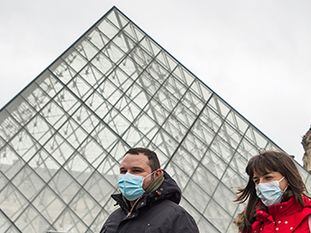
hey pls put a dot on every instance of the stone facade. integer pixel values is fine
(306, 143)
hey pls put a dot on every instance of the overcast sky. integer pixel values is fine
(256, 54)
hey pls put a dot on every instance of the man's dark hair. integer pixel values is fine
(152, 156)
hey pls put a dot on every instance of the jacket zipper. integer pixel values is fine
(132, 208)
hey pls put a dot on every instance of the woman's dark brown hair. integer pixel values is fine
(266, 162)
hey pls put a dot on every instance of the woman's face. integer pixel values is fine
(271, 176)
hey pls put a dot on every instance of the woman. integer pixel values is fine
(275, 194)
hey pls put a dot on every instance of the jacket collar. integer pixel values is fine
(289, 206)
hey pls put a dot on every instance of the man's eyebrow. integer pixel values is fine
(137, 168)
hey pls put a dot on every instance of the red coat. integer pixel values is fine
(284, 217)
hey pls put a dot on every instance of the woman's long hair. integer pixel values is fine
(266, 162)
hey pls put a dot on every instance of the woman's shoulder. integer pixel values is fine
(306, 200)
(307, 205)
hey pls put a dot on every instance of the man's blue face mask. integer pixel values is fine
(131, 186)
(270, 193)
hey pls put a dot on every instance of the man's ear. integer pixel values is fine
(159, 172)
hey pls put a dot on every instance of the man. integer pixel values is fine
(149, 198)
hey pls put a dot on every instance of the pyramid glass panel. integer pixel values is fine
(63, 136)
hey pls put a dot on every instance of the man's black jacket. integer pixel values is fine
(156, 212)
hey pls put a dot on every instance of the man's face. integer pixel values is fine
(137, 165)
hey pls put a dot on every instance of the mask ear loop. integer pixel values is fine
(280, 182)
(153, 179)
(150, 174)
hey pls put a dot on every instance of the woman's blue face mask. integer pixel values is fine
(270, 193)
(131, 186)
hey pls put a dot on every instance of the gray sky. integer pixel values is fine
(256, 54)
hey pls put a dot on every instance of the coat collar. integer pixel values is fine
(289, 207)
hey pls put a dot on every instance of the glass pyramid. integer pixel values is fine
(63, 136)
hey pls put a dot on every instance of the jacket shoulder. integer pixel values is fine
(181, 220)
(113, 220)
(168, 205)
(306, 200)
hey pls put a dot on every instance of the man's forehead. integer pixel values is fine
(133, 160)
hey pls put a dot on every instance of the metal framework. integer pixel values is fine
(63, 136)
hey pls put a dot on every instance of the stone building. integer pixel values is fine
(306, 143)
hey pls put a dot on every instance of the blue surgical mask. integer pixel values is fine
(131, 186)
(270, 193)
